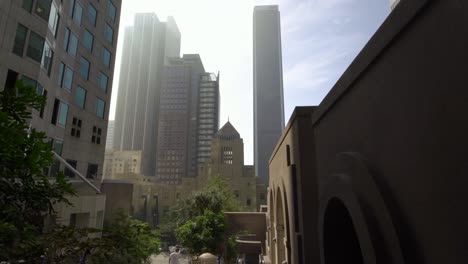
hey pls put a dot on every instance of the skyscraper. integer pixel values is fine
(393, 3)
(267, 86)
(66, 50)
(178, 124)
(110, 134)
(146, 48)
(208, 115)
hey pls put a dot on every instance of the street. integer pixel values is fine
(163, 258)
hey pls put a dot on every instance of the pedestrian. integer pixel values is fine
(174, 257)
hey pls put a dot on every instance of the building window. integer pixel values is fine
(236, 194)
(80, 97)
(111, 10)
(102, 81)
(249, 202)
(92, 14)
(78, 13)
(70, 42)
(35, 46)
(43, 8)
(105, 57)
(92, 171)
(88, 40)
(96, 137)
(20, 40)
(60, 112)
(76, 127)
(68, 78)
(72, 8)
(27, 5)
(108, 33)
(58, 146)
(69, 173)
(47, 56)
(11, 79)
(100, 107)
(84, 68)
(61, 70)
(53, 19)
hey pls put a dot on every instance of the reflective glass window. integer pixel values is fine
(20, 40)
(102, 81)
(35, 46)
(88, 40)
(47, 57)
(111, 10)
(43, 8)
(84, 68)
(100, 107)
(68, 78)
(108, 33)
(53, 19)
(105, 57)
(80, 97)
(92, 14)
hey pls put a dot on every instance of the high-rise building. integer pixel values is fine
(146, 48)
(208, 115)
(393, 3)
(178, 126)
(267, 86)
(110, 134)
(66, 50)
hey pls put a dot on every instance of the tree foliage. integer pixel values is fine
(26, 192)
(126, 241)
(199, 219)
(204, 233)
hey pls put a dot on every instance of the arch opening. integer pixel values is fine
(340, 241)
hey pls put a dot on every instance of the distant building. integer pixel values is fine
(187, 90)
(267, 86)
(66, 50)
(146, 48)
(208, 115)
(227, 162)
(110, 134)
(393, 3)
(120, 162)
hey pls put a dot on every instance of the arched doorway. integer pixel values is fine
(340, 241)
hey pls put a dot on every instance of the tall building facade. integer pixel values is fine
(110, 134)
(146, 49)
(267, 86)
(178, 114)
(208, 115)
(393, 3)
(66, 50)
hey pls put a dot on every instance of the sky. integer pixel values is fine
(320, 38)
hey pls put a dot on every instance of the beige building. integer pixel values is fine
(227, 162)
(121, 162)
(66, 51)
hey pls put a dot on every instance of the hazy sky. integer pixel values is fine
(320, 38)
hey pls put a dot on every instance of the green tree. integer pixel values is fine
(27, 194)
(204, 233)
(126, 241)
(199, 219)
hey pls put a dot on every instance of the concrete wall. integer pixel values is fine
(385, 151)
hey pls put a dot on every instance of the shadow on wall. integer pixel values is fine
(377, 172)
